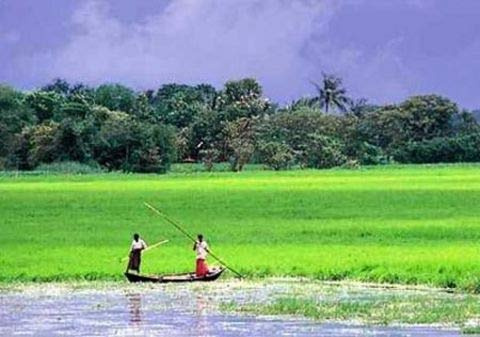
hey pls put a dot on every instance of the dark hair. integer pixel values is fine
(136, 236)
(200, 237)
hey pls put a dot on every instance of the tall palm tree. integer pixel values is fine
(331, 93)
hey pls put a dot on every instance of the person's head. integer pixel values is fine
(136, 236)
(200, 237)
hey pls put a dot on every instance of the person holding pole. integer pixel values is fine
(135, 257)
(184, 232)
(201, 249)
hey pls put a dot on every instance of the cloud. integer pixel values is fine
(421, 4)
(283, 43)
(379, 75)
(382, 75)
(193, 41)
(9, 37)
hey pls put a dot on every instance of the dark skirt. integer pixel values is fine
(135, 260)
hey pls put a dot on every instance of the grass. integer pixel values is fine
(471, 330)
(366, 304)
(410, 309)
(400, 224)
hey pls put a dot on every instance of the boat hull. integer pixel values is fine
(174, 278)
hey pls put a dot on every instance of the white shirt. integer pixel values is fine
(140, 244)
(201, 250)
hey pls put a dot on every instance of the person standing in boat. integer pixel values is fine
(201, 249)
(136, 253)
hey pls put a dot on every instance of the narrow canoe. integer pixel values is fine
(177, 278)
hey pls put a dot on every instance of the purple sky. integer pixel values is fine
(385, 50)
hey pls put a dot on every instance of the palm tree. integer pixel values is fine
(331, 94)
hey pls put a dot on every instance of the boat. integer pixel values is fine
(175, 278)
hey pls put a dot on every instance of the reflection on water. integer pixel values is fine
(200, 316)
(186, 310)
(135, 308)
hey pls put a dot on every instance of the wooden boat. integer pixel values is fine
(175, 278)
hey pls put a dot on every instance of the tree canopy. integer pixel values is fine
(118, 128)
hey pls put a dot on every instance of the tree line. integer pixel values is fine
(117, 128)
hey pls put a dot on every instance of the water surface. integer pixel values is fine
(167, 310)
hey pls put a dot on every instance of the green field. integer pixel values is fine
(405, 224)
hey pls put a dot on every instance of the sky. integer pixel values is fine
(384, 50)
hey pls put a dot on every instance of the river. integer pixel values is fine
(166, 310)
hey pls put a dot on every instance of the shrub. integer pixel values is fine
(465, 148)
(369, 154)
(275, 155)
(319, 151)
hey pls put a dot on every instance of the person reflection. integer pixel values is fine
(135, 308)
(201, 323)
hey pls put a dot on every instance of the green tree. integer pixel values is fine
(206, 132)
(73, 140)
(320, 151)
(179, 104)
(112, 147)
(428, 116)
(331, 94)
(58, 85)
(84, 91)
(126, 144)
(15, 114)
(76, 108)
(243, 98)
(19, 156)
(418, 118)
(242, 90)
(43, 144)
(275, 155)
(294, 127)
(459, 148)
(115, 97)
(144, 110)
(153, 149)
(241, 138)
(45, 104)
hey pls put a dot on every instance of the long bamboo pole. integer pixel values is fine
(179, 227)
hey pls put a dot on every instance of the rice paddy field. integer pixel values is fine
(392, 224)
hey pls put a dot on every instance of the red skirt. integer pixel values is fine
(202, 268)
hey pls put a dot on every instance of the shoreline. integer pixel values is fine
(260, 279)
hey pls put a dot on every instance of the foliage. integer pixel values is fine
(121, 129)
(276, 155)
(15, 114)
(43, 143)
(126, 144)
(241, 138)
(442, 149)
(331, 95)
(115, 97)
(369, 154)
(44, 103)
(242, 99)
(321, 151)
